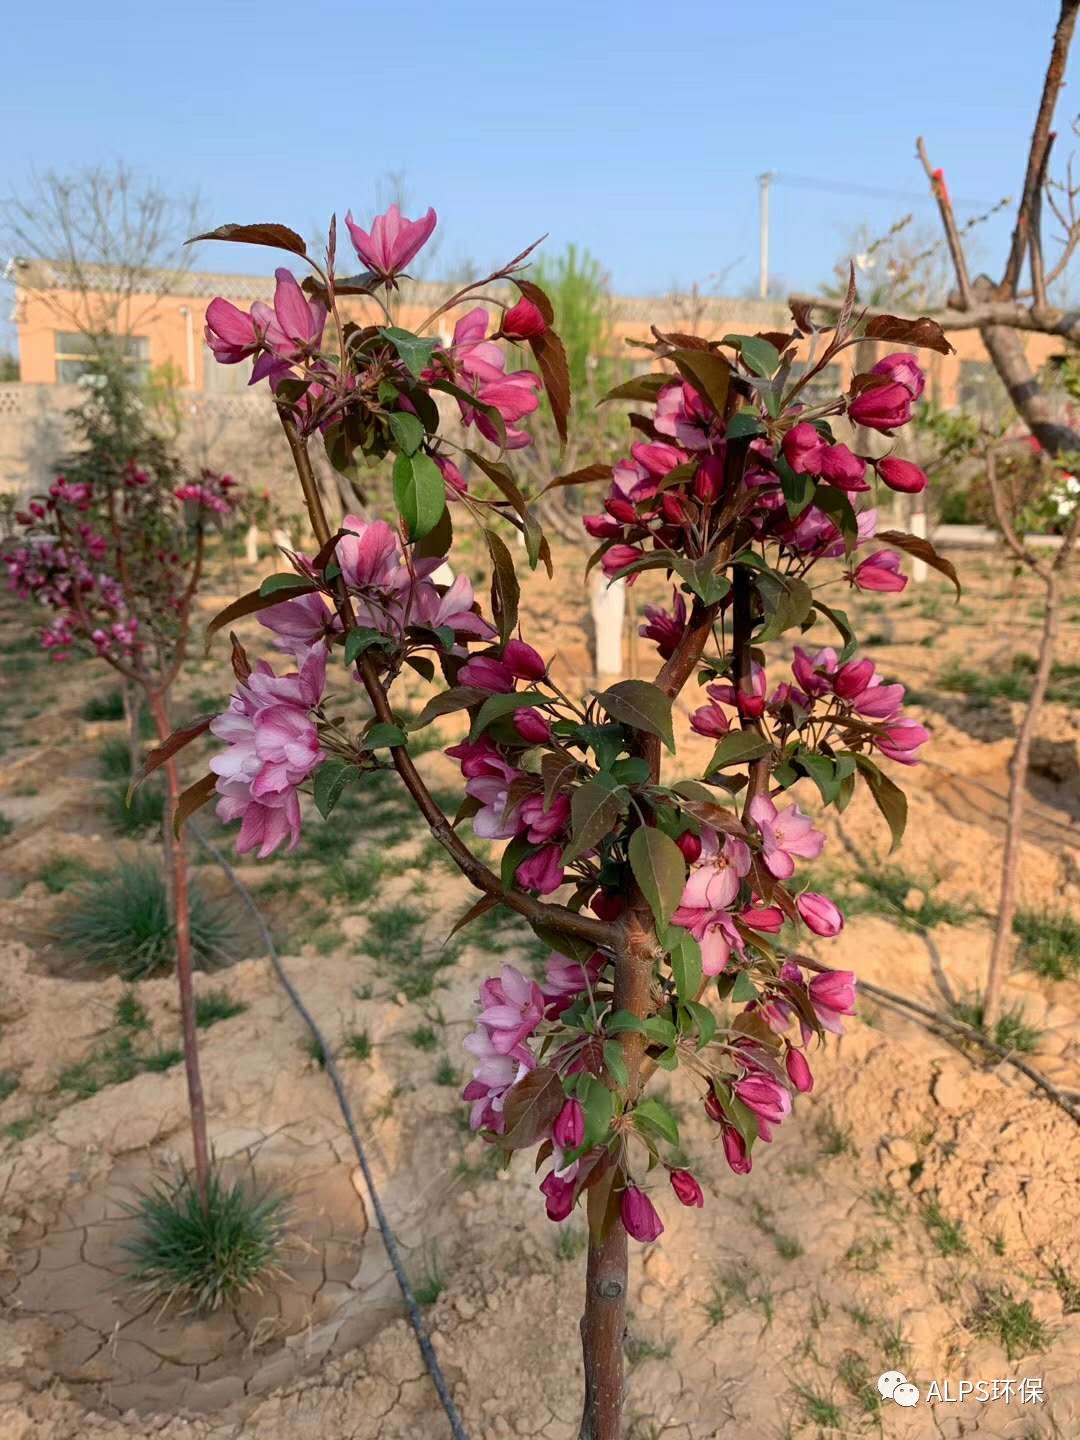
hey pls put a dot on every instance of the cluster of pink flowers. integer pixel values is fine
(848, 701)
(647, 508)
(87, 604)
(209, 492)
(273, 747)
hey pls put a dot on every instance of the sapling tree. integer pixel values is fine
(673, 908)
(114, 552)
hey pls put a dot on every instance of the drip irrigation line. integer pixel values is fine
(427, 1351)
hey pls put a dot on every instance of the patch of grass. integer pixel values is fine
(638, 1349)
(355, 881)
(738, 1287)
(163, 1059)
(885, 892)
(854, 1374)
(1049, 942)
(61, 871)
(1012, 682)
(786, 1246)
(119, 920)
(204, 1257)
(104, 707)
(214, 1005)
(424, 1038)
(131, 1012)
(357, 1045)
(9, 1083)
(1012, 1323)
(1067, 1288)
(570, 1241)
(946, 1236)
(445, 1074)
(6, 825)
(430, 1284)
(835, 1139)
(1011, 1031)
(114, 760)
(865, 1255)
(393, 935)
(819, 1409)
(311, 1045)
(21, 1128)
(145, 811)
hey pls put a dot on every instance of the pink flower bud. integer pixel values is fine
(601, 528)
(905, 370)
(802, 447)
(607, 906)
(880, 571)
(524, 321)
(541, 871)
(735, 1151)
(486, 673)
(820, 914)
(639, 1215)
(673, 508)
(881, 407)
(568, 1132)
(709, 479)
(843, 469)
(686, 1188)
(901, 475)
(710, 720)
(713, 1109)
(799, 1072)
(618, 557)
(690, 845)
(523, 661)
(559, 1195)
(532, 726)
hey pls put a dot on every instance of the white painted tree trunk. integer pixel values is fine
(251, 545)
(919, 570)
(608, 612)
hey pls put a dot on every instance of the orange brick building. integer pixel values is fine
(163, 323)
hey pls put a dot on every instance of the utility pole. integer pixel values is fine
(763, 262)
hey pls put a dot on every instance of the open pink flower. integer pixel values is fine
(487, 672)
(392, 242)
(511, 1007)
(880, 571)
(231, 334)
(785, 834)
(900, 739)
(905, 369)
(454, 609)
(300, 623)
(766, 1097)
(832, 994)
(541, 871)
(665, 627)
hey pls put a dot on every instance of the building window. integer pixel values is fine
(979, 390)
(76, 353)
(824, 386)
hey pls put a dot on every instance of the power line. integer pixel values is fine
(878, 192)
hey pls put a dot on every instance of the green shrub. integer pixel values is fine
(214, 1005)
(1049, 942)
(104, 707)
(144, 812)
(120, 920)
(208, 1257)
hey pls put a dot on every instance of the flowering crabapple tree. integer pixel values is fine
(114, 553)
(672, 907)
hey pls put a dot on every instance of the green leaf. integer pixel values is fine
(737, 748)
(285, 580)
(407, 431)
(640, 705)
(447, 702)
(331, 778)
(686, 968)
(496, 706)
(758, 355)
(659, 869)
(786, 603)
(742, 992)
(743, 425)
(505, 589)
(707, 372)
(843, 624)
(598, 1104)
(419, 493)
(839, 510)
(383, 734)
(414, 351)
(361, 639)
(594, 809)
(827, 772)
(641, 387)
(634, 770)
(798, 489)
(705, 1021)
(660, 1029)
(889, 798)
(701, 577)
(615, 1064)
(623, 1020)
(517, 850)
(653, 1114)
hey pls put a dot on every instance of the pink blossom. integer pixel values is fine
(300, 623)
(493, 1076)
(542, 871)
(485, 672)
(832, 995)
(565, 979)
(523, 321)
(802, 446)
(618, 558)
(900, 739)
(531, 726)
(639, 1215)
(706, 899)
(766, 1097)
(820, 914)
(798, 1071)
(453, 477)
(879, 571)
(785, 834)
(690, 845)
(686, 1188)
(683, 414)
(454, 608)
(511, 1007)
(367, 553)
(815, 673)
(600, 527)
(392, 242)
(901, 474)
(231, 334)
(559, 1195)
(657, 458)
(711, 721)
(665, 627)
(905, 369)
(544, 824)
(568, 1131)
(296, 326)
(842, 469)
(523, 661)
(881, 407)
(735, 1152)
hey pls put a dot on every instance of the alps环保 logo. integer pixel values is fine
(894, 1385)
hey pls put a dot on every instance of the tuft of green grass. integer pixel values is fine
(1012, 1323)
(204, 1257)
(1013, 682)
(1011, 1031)
(144, 812)
(354, 881)
(424, 1038)
(6, 825)
(1067, 1287)
(9, 1083)
(61, 871)
(311, 1045)
(430, 1284)
(738, 1287)
(886, 891)
(104, 707)
(446, 1074)
(854, 1374)
(357, 1045)
(119, 920)
(1049, 942)
(835, 1139)
(163, 1059)
(820, 1409)
(570, 1241)
(114, 760)
(865, 1255)
(214, 1005)
(131, 1012)
(946, 1236)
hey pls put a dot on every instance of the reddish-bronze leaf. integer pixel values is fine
(481, 907)
(922, 550)
(558, 769)
(586, 476)
(241, 665)
(168, 748)
(924, 332)
(801, 314)
(681, 341)
(265, 232)
(530, 1108)
(778, 339)
(192, 799)
(539, 298)
(551, 358)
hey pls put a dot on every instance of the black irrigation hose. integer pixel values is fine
(431, 1360)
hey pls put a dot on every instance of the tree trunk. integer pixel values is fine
(1014, 823)
(603, 1325)
(1006, 350)
(177, 871)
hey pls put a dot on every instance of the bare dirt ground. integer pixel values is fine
(901, 1220)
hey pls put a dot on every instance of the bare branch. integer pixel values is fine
(956, 250)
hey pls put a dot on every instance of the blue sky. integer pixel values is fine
(633, 129)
